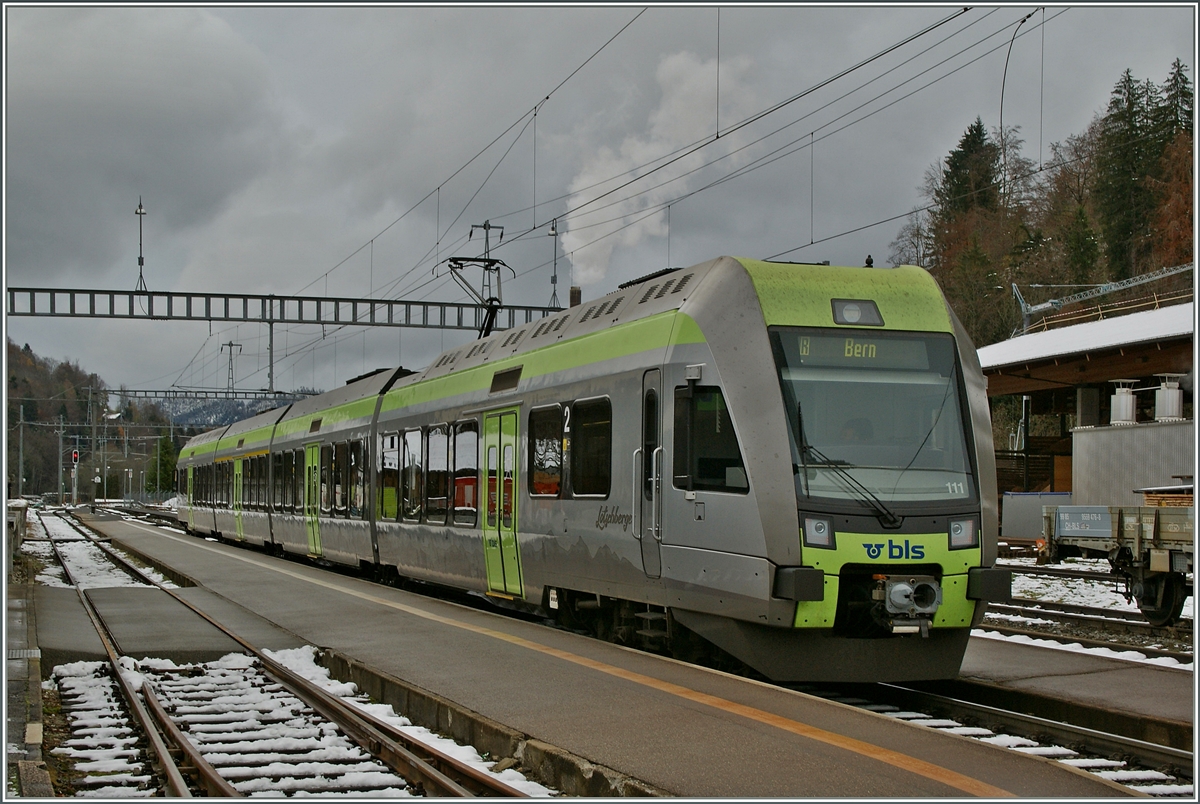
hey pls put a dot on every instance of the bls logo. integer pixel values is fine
(896, 550)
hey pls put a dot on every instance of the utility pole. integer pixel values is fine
(230, 345)
(61, 430)
(21, 455)
(554, 275)
(141, 283)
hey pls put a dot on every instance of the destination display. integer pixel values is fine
(866, 350)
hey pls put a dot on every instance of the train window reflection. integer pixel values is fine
(466, 473)
(357, 471)
(388, 459)
(411, 476)
(591, 448)
(437, 471)
(707, 454)
(882, 409)
(326, 479)
(545, 452)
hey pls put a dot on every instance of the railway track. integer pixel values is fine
(1067, 572)
(247, 725)
(1114, 620)
(1145, 768)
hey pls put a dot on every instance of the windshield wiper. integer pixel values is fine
(887, 517)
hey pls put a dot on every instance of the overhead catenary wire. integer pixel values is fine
(414, 287)
(483, 150)
(736, 127)
(764, 160)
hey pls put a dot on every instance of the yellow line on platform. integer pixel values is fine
(902, 761)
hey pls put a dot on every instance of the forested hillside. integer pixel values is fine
(50, 396)
(1111, 202)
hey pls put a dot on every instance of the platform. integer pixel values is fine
(680, 728)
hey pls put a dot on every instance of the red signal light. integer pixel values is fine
(75, 457)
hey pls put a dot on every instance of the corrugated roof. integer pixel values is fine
(1110, 333)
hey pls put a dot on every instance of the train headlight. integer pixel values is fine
(964, 533)
(818, 532)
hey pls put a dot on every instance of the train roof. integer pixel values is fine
(657, 293)
(907, 296)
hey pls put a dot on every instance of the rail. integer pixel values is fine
(437, 772)
(1099, 742)
(149, 723)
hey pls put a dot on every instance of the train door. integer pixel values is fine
(191, 497)
(500, 517)
(312, 496)
(648, 470)
(238, 486)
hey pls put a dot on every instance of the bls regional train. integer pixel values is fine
(789, 464)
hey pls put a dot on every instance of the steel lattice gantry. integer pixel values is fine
(269, 310)
(236, 307)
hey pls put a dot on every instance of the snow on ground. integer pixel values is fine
(102, 745)
(89, 565)
(1077, 591)
(303, 662)
(1130, 655)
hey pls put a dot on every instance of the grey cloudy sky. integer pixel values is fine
(270, 144)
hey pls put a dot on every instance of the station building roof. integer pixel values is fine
(1135, 345)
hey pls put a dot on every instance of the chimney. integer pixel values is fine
(576, 295)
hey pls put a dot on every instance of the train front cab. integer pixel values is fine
(885, 560)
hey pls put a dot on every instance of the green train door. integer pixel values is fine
(312, 496)
(500, 461)
(191, 498)
(238, 466)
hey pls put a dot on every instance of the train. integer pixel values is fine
(785, 467)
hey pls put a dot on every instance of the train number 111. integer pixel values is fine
(955, 487)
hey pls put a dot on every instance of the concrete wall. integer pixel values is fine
(1110, 462)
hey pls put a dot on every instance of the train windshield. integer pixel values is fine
(874, 415)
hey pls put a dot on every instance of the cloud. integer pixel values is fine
(685, 111)
(106, 105)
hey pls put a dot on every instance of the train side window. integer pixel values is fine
(355, 501)
(247, 499)
(341, 488)
(545, 452)
(411, 477)
(492, 490)
(387, 489)
(466, 473)
(264, 477)
(298, 480)
(437, 471)
(283, 483)
(276, 481)
(326, 479)
(591, 448)
(707, 455)
(254, 480)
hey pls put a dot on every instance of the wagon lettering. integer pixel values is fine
(613, 517)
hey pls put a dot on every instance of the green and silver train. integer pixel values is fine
(787, 464)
